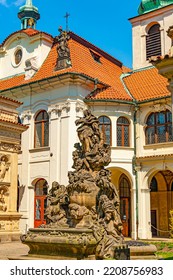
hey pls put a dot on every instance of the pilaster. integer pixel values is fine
(10, 131)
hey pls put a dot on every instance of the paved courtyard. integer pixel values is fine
(15, 249)
(12, 249)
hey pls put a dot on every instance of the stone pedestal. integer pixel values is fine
(10, 132)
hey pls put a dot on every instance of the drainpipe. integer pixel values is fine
(134, 167)
(135, 172)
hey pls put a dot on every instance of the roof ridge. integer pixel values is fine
(124, 75)
(35, 32)
(140, 69)
(104, 53)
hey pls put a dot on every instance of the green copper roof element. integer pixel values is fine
(28, 14)
(151, 5)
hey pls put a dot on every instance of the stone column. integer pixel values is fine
(10, 132)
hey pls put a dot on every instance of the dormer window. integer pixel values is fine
(95, 56)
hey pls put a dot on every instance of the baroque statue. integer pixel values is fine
(63, 51)
(84, 214)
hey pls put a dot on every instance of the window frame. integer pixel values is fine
(155, 41)
(123, 131)
(102, 127)
(42, 121)
(156, 125)
(153, 185)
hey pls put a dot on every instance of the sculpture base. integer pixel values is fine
(62, 243)
(9, 227)
(141, 251)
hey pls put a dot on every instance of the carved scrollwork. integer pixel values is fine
(159, 107)
(80, 106)
(10, 147)
(26, 116)
(59, 108)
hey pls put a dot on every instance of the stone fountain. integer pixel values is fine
(82, 218)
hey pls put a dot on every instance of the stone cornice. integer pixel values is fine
(154, 157)
(7, 125)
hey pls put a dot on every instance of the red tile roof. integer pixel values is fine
(30, 32)
(142, 85)
(108, 71)
(146, 84)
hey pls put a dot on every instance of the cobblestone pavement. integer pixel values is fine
(12, 249)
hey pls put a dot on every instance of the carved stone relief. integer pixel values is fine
(4, 166)
(90, 200)
(4, 191)
(3, 205)
(159, 107)
(59, 109)
(10, 147)
(80, 106)
(26, 117)
(11, 135)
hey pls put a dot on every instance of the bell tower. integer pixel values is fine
(28, 14)
(149, 31)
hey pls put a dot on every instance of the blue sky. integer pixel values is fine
(103, 23)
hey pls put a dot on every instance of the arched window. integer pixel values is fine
(153, 185)
(123, 132)
(41, 129)
(124, 187)
(105, 126)
(159, 127)
(172, 187)
(125, 200)
(153, 41)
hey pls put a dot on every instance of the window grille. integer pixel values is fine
(123, 132)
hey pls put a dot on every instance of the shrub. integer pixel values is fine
(171, 223)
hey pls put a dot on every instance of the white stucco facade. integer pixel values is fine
(140, 27)
(63, 97)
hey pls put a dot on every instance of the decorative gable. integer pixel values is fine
(21, 49)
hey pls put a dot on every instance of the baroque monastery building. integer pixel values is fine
(56, 79)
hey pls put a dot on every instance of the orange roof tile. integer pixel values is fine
(11, 82)
(29, 31)
(108, 71)
(109, 94)
(146, 84)
(142, 85)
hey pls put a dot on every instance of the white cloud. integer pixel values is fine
(4, 3)
(19, 2)
(8, 3)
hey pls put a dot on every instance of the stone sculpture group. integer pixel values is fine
(90, 200)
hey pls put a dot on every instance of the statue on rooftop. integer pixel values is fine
(63, 51)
